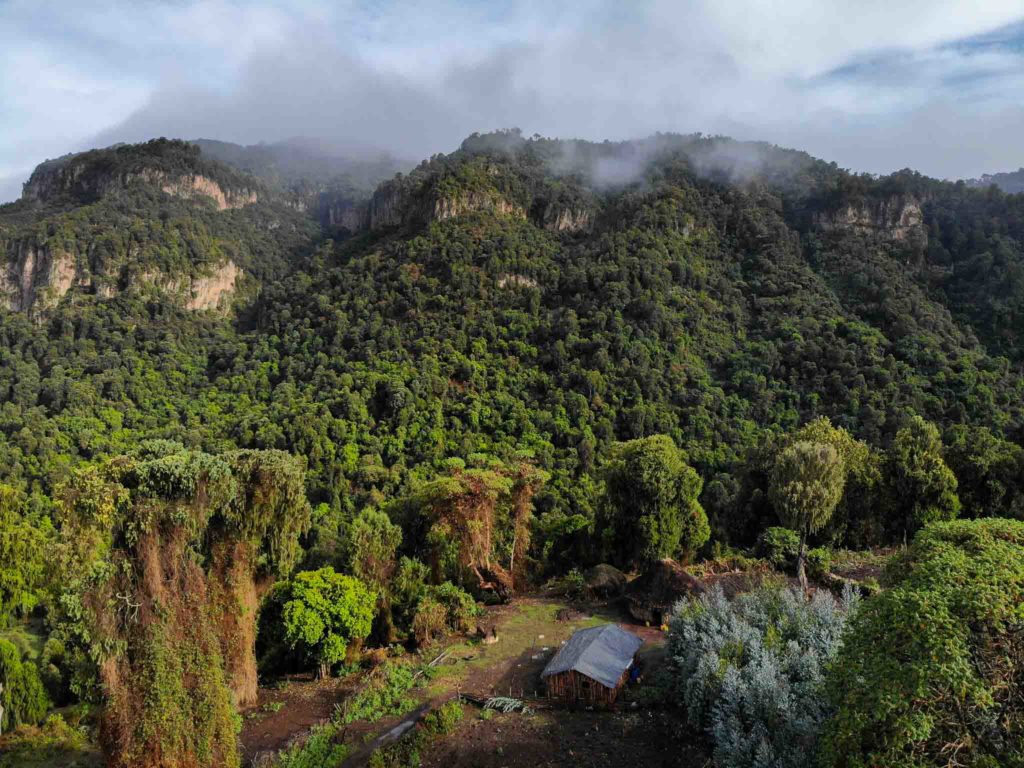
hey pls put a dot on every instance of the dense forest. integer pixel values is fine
(356, 403)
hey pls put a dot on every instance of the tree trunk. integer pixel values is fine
(324, 671)
(801, 564)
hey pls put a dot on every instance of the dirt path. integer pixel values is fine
(286, 713)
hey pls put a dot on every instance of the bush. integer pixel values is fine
(779, 546)
(460, 607)
(430, 621)
(443, 607)
(819, 562)
(320, 750)
(443, 720)
(386, 693)
(56, 742)
(24, 697)
(931, 667)
(324, 613)
(750, 672)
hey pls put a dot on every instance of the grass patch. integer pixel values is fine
(517, 633)
(320, 750)
(55, 744)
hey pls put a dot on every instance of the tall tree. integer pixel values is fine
(650, 509)
(325, 613)
(164, 556)
(806, 485)
(23, 553)
(922, 488)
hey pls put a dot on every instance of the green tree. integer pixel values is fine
(806, 485)
(930, 669)
(922, 488)
(372, 543)
(23, 698)
(23, 556)
(856, 518)
(989, 473)
(650, 508)
(325, 613)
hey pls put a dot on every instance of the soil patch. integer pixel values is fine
(559, 737)
(284, 714)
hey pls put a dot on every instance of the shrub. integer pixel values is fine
(443, 720)
(320, 750)
(441, 608)
(429, 622)
(24, 697)
(386, 693)
(750, 672)
(460, 607)
(56, 742)
(779, 546)
(325, 612)
(931, 667)
(819, 562)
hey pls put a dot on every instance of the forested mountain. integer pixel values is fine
(259, 407)
(519, 295)
(1011, 182)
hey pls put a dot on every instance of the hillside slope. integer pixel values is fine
(517, 295)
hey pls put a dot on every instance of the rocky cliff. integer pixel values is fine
(177, 168)
(899, 219)
(36, 277)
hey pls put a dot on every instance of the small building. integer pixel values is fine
(593, 666)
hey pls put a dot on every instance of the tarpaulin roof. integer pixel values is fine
(601, 653)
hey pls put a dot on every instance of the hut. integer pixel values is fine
(593, 666)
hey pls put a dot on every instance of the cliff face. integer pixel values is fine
(175, 167)
(567, 218)
(393, 205)
(899, 219)
(37, 277)
(191, 187)
(343, 214)
(451, 206)
(73, 180)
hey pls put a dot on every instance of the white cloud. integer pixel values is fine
(830, 76)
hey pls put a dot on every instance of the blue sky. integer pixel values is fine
(876, 86)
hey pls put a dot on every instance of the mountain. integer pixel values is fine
(518, 295)
(1011, 183)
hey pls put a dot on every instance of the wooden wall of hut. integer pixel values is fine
(573, 687)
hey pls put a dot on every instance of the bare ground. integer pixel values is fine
(300, 703)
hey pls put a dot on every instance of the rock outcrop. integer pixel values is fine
(899, 219)
(559, 218)
(191, 187)
(36, 277)
(394, 204)
(451, 206)
(347, 215)
(90, 176)
(213, 291)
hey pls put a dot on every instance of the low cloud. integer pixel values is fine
(920, 84)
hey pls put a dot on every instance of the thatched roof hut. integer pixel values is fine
(651, 596)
